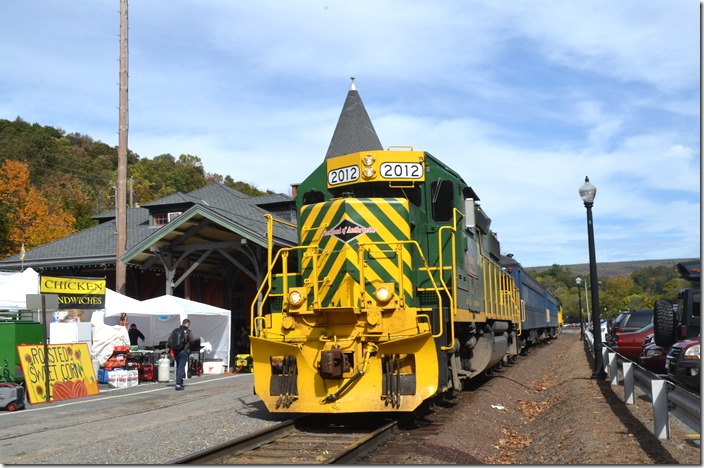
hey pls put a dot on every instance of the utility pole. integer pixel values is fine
(121, 268)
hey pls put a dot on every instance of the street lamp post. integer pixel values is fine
(586, 299)
(581, 321)
(587, 192)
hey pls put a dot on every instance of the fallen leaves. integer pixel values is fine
(513, 444)
(532, 408)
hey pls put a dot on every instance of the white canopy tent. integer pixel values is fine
(209, 322)
(155, 327)
(15, 287)
(155, 318)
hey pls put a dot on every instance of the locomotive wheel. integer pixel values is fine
(664, 323)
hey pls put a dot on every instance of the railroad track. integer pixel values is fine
(304, 440)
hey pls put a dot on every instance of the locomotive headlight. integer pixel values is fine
(384, 293)
(368, 160)
(295, 298)
(369, 172)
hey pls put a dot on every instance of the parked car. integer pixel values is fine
(633, 320)
(604, 328)
(684, 361)
(615, 323)
(630, 344)
(653, 355)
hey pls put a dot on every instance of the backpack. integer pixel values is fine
(178, 340)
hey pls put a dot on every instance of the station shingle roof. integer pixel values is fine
(231, 210)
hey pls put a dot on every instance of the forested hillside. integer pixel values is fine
(53, 182)
(621, 285)
(607, 269)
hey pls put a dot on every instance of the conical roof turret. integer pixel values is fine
(354, 131)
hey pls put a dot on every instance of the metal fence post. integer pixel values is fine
(613, 368)
(661, 417)
(629, 383)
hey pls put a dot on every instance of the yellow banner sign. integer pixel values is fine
(75, 293)
(71, 373)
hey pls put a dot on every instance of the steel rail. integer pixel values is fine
(247, 442)
(297, 441)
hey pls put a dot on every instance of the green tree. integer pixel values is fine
(653, 279)
(164, 175)
(244, 187)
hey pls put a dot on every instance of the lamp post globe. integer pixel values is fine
(587, 192)
(581, 321)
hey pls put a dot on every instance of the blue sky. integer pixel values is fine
(523, 98)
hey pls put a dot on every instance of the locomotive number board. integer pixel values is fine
(383, 165)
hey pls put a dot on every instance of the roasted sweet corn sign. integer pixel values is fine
(75, 293)
(70, 371)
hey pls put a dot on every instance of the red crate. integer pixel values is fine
(146, 372)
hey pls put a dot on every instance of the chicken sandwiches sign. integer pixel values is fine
(75, 293)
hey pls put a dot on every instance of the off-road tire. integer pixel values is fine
(664, 323)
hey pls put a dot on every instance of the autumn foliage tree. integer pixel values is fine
(27, 216)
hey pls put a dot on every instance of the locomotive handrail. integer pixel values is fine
(266, 281)
(451, 296)
(264, 290)
(270, 234)
(426, 267)
(522, 315)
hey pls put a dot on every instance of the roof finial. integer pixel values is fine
(352, 86)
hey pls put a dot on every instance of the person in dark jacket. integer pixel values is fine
(135, 335)
(181, 356)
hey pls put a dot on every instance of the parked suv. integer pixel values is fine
(630, 344)
(684, 361)
(679, 327)
(653, 356)
(632, 320)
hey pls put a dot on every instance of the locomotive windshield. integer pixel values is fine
(368, 190)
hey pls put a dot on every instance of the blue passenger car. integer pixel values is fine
(540, 319)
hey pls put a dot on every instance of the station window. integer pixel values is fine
(159, 219)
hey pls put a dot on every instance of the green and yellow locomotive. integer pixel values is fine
(394, 292)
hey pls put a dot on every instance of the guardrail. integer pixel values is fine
(667, 398)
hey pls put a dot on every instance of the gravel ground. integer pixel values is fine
(546, 410)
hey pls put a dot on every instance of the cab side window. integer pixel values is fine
(442, 200)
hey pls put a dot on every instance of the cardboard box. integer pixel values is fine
(112, 377)
(212, 367)
(132, 378)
